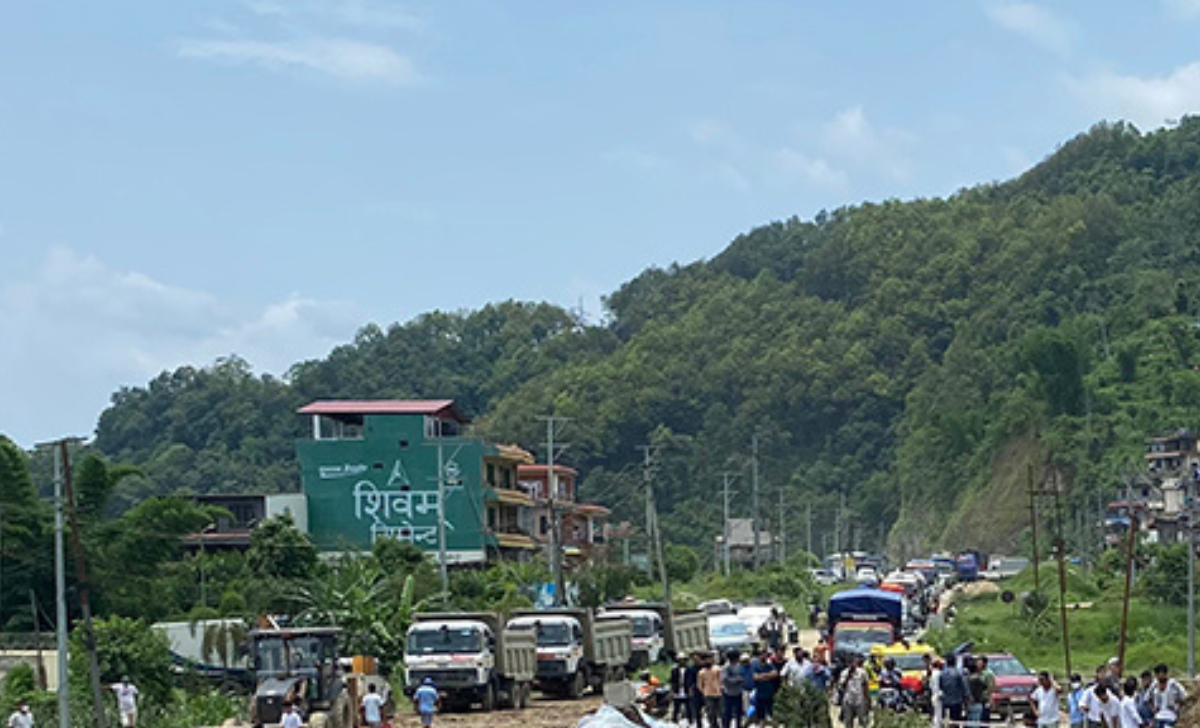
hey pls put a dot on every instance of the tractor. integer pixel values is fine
(299, 665)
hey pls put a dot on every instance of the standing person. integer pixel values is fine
(291, 718)
(372, 707)
(955, 690)
(766, 680)
(796, 670)
(935, 691)
(1044, 700)
(819, 675)
(127, 695)
(1074, 712)
(695, 699)
(426, 699)
(709, 683)
(854, 695)
(1167, 697)
(989, 687)
(733, 689)
(822, 649)
(1145, 699)
(976, 689)
(679, 693)
(1130, 718)
(21, 717)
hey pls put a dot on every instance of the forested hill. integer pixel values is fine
(923, 358)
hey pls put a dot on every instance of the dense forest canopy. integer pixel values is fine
(919, 359)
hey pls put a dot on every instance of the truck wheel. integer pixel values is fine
(489, 698)
(578, 683)
(522, 696)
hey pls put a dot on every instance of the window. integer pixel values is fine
(491, 475)
(436, 427)
(340, 427)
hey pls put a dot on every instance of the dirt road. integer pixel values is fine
(541, 713)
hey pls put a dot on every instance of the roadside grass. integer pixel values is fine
(1157, 633)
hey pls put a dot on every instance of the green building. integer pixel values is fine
(370, 470)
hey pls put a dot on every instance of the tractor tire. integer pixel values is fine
(319, 720)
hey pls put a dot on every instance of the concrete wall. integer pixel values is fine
(12, 658)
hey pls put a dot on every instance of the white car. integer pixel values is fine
(866, 576)
(727, 632)
(755, 616)
(824, 577)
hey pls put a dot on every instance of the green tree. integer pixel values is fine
(126, 648)
(280, 550)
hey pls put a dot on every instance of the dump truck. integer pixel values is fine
(576, 651)
(659, 633)
(471, 658)
(299, 665)
(861, 618)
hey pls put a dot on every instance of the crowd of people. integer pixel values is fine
(1111, 699)
(738, 689)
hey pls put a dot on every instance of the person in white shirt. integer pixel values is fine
(935, 692)
(1045, 700)
(1101, 709)
(127, 695)
(1130, 717)
(372, 707)
(1166, 697)
(21, 718)
(797, 669)
(291, 718)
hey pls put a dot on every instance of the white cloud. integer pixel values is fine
(851, 134)
(1147, 101)
(75, 330)
(1036, 23)
(345, 59)
(814, 171)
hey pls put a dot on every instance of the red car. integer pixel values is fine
(1015, 684)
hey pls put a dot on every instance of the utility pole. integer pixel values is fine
(837, 526)
(556, 545)
(652, 529)
(782, 529)
(1129, 553)
(60, 582)
(1189, 500)
(443, 570)
(83, 590)
(808, 539)
(726, 481)
(754, 498)
(1037, 576)
(1060, 545)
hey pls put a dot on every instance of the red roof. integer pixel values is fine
(441, 407)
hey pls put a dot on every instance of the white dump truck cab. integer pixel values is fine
(560, 651)
(470, 659)
(648, 641)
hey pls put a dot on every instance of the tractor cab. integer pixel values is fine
(297, 665)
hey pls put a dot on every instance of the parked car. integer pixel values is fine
(1015, 684)
(824, 577)
(727, 632)
(866, 576)
(716, 607)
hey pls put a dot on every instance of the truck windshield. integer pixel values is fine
(553, 635)
(642, 627)
(444, 641)
(860, 640)
(729, 629)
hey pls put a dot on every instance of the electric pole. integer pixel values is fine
(1037, 580)
(808, 536)
(83, 590)
(782, 529)
(556, 545)
(754, 499)
(1189, 499)
(726, 481)
(652, 530)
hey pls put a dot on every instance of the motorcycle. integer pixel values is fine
(896, 700)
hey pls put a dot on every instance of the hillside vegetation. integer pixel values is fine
(908, 355)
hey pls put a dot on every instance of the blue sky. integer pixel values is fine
(187, 179)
